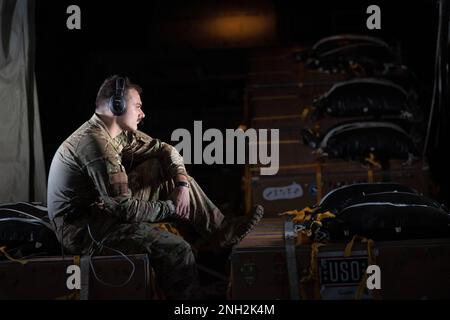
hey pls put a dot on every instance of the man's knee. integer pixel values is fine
(149, 168)
(184, 248)
(180, 250)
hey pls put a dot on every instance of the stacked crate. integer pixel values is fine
(279, 94)
(411, 269)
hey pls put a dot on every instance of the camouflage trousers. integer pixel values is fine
(170, 255)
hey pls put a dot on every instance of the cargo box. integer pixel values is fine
(113, 277)
(409, 269)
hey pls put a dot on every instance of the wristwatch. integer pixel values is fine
(182, 184)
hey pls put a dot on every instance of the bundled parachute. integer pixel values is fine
(359, 140)
(345, 53)
(366, 97)
(380, 211)
(25, 230)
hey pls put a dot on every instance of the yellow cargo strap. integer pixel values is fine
(373, 163)
(300, 215)
(70, 296)
(169, 228)
(306, 111)
(306, 215)
(318, 182)
(357, 68)
(77, 294)
(5, 253)
(316, 129)
(370, 175)
(324, 215)
(370, 261)
(313, 275)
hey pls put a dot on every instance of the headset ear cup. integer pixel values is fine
(123, 106)
(117, 105)
(117, 102)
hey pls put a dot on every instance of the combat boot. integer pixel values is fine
(233, 230)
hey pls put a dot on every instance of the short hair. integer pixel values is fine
(108, 87)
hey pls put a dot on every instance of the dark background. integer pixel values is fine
(189, 74)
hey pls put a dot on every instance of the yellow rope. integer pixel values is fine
(3, 250)
(313, 275)
(306, 214)
(70, 296)
(372, 161)
(300, 215)
(169, 228)
(77, 294)
(370, 176)
(370, 261)
(324, 215)
(319, 182)
(306, 111)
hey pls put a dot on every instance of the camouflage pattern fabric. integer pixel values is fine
(106, 192)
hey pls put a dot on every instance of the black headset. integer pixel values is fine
(117, 103)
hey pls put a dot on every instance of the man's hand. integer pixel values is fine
(180, 196)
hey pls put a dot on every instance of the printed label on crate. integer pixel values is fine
(285, 192)
(340, 276)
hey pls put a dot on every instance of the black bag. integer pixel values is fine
(25, 230)
(390, 216)
(341, 52)
(337, 199)
(366, 97)
(357, 140)
(338, 41)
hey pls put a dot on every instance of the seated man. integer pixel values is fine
(110, 184)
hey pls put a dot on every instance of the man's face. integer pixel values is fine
(134, 114)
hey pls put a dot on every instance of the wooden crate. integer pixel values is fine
(45, 279)
(296, 186)
(410, 269)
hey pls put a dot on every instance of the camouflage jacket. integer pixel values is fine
(87, 171)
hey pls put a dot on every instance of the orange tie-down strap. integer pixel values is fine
(371, 260)
(299, 216)
(373, 163)
(169, 228)
(307, 214)
(75, 295)
(313, 275)
(5, 253)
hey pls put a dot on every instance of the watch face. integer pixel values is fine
(182, 184)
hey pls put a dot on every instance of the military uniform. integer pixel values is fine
(107, 193)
